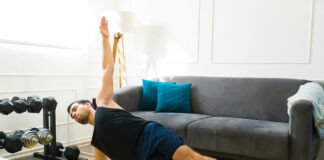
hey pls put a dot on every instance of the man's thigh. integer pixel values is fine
(170, 142)
(158, 141)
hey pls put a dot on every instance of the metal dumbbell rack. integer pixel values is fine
(49, 122)
(49, 153)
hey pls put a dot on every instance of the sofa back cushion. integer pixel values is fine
(251, 98)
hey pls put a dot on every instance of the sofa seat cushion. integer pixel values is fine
(177, 122)
(251, 138)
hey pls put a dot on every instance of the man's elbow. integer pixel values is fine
(108, 69)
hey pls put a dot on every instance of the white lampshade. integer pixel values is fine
(120, 21)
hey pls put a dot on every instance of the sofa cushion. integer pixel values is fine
(251, 138)
(173, 98)
(149, 95)
(177, 122)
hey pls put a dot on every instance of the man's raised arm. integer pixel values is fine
(107, 58)
(106, 93)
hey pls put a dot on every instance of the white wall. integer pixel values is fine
(231, 38)
(251, 38)
(31, 66)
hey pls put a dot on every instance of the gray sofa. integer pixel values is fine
(237, 118)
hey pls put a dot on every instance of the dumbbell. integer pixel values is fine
(14, 142)
(34, 104)
(10, 143)
(71, 152)
(44, 135)
(49, 103)
(19, 104)
(5, 106)
(28, 138)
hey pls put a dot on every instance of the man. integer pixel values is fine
(120, 135)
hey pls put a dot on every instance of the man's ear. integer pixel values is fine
(88, 104)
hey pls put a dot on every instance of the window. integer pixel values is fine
(49, 23)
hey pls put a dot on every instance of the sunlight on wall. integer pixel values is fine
(44, 22)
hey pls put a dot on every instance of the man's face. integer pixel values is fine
(80, 112)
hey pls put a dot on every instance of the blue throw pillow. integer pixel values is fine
(173, 98)
(149, 95)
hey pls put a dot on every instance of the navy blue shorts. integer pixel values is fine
(157, 143)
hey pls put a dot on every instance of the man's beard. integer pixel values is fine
(83, 119)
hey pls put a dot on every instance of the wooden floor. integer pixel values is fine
(84, 147)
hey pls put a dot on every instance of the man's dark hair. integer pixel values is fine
(80, 102)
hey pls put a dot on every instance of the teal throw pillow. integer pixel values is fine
(149, 95)
(173, 98)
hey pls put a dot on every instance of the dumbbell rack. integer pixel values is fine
(48, 153)
(49, 122)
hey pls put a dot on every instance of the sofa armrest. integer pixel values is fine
(128, 97)
(302, 131)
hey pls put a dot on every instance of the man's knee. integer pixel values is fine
(184, 152)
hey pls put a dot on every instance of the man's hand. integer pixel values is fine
(104, 27)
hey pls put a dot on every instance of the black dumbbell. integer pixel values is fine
(49, 103)
(5, 106)
(34, 104)
(28, 138)
(19, 104)
(10, 143)
(71, 152)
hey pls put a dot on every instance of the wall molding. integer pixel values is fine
(309, 44)
(58, 75)
(50, 75)
(73, 90)
(310, 36)
(40, 90)
(26, 43)
(93, 88)
(198, 36)
(57, 125)
(264, 62)
(96, 90)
